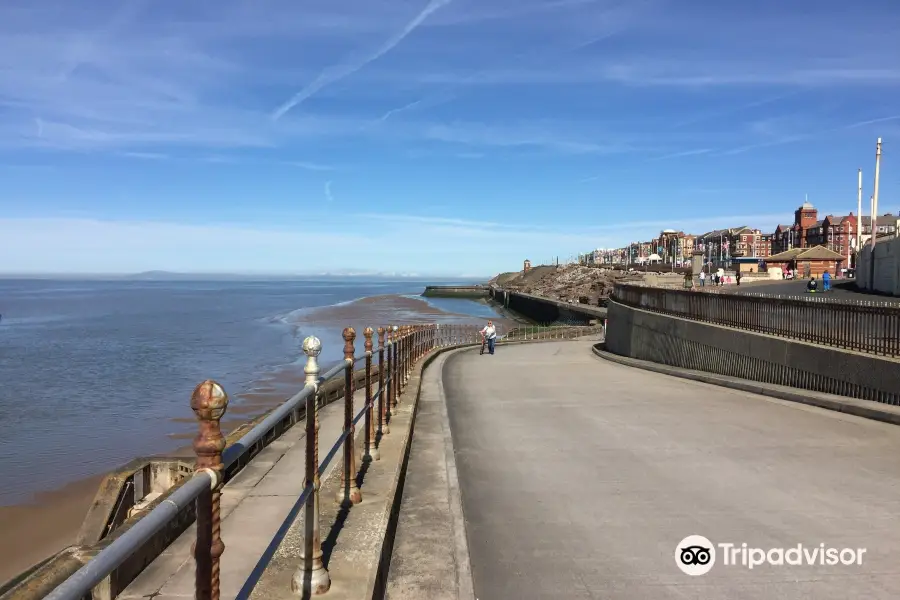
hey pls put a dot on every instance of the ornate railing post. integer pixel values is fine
(311, 577)
(349, 493)
(399, 357)
(391, 382)
(395, 372)
(401, 362)
(382, 390)
(371, 451)
(407, 354)
(209, 402)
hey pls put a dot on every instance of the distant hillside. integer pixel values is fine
(504, 278)
(158, 275)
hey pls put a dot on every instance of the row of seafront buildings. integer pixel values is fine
(726, 247)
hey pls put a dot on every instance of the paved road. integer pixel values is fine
(798, 288)
(579, 479)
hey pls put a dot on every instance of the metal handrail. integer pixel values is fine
(858, 325)
(399, 348)
(111, 557)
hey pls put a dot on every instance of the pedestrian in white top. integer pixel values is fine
(490, 334)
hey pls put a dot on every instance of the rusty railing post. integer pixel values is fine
(349, 493)
(401, 364)
(209, 402)
(401, 344)
(395, 373)
(311, 577)
(407, 355)
(382, 365)
(371, 451)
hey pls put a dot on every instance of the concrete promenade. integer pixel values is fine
(578, 478)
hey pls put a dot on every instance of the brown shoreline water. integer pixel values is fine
(31, 532)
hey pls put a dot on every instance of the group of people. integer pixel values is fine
(717, 278)
(813, 285)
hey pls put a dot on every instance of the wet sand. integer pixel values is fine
(32, 532)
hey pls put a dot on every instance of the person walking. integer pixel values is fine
(702, 278)
(490, 334)
(826, 281)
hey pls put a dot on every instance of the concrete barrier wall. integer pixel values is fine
(545, 310)
(887, 267)
(455, 291)
(700, 346)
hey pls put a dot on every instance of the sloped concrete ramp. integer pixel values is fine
(579, 478)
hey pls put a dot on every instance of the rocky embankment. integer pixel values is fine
(569, 283)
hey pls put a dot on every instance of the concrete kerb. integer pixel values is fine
(464, 584)
(377, 581)
(860, 408)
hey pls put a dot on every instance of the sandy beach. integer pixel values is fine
(31, 532)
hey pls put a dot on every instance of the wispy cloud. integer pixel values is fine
(734, 109)
(533, 134)
(146, 155)
(871, 122)
(308, 166)
(683, 153)
(328, 196)
(335, 74)
(401, 109)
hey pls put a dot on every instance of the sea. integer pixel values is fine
(94, 373)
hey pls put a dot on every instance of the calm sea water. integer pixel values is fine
(92, 372)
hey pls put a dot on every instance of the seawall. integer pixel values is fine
(455, 291)
(545, 310)
(695, 345)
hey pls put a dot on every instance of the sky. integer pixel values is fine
(453, 137)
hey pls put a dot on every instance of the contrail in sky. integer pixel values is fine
(336, 73)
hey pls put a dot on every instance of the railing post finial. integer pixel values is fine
(312, 347)
(209, 402)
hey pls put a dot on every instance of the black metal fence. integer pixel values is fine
(863, 326)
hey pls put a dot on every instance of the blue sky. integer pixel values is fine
(450, 136)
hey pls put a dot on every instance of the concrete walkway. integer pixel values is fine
(579, 478)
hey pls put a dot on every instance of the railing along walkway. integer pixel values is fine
(862, 326)
(281, 483)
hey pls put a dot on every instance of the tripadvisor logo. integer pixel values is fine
(696, 555)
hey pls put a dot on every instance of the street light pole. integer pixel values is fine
(875, 214)
(858, 213)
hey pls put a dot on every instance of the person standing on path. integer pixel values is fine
(490, 334)
(826, 281)
(702, 278)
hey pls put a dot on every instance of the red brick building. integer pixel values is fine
(787, 237)
(807, 262)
